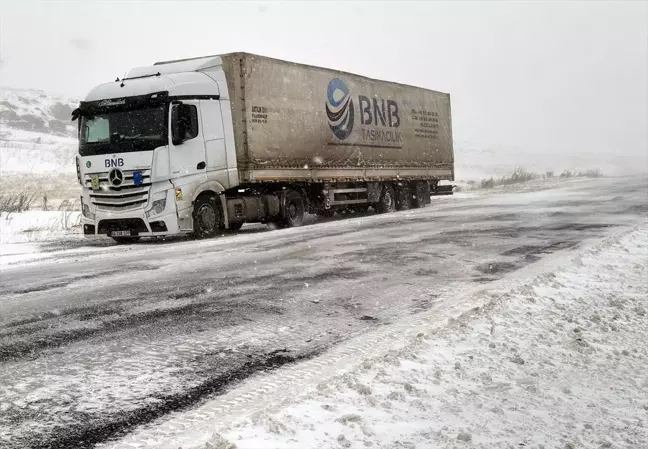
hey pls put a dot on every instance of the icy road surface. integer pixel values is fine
(97, 339)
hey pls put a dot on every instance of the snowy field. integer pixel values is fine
(31, 152)
(474, 163)
(38, 226)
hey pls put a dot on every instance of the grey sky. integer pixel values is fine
(544, 77)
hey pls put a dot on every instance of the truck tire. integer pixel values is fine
(403, 197)
(419, 196)
(294, 211)
(387, 201)
(206, 217)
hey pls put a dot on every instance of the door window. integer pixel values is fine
(188, 119)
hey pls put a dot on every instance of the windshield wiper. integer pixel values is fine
(116, 137)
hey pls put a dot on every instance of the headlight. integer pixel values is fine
(158, 205)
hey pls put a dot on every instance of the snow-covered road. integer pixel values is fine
(97, 339)
(557, 360)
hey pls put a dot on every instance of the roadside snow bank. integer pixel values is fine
(561, 362)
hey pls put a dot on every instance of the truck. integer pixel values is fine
(203, 145)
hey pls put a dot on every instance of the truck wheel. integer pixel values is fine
(126, 240)
(387, 201)
(419, 195)
(294, 213)
(206, 217)
(403, 198)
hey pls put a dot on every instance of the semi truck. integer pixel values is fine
(203, 145)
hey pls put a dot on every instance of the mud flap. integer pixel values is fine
(225, 215)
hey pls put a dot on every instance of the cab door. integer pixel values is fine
(187, 154)
(186, 157)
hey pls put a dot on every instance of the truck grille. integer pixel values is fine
(126, 197)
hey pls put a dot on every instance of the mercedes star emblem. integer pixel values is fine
(116, 177)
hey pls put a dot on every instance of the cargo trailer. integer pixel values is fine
(202, 145)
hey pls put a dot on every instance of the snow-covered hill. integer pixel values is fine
(37, 148)
(35, 110)
(36, 134)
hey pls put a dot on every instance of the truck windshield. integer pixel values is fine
(120, 129)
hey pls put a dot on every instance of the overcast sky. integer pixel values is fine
(541, 77)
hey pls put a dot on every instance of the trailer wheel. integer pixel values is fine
(206, 217)
(419, 195)
(294, 212)
(403, 197)
(387, 201)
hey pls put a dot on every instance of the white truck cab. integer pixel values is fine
(150, 144)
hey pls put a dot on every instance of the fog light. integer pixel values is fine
(157, 208)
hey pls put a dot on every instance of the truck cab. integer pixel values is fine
(149, 145)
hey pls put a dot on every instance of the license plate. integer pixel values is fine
(120, 234)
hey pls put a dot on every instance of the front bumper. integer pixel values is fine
(137, 223)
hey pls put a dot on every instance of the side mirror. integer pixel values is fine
(176, 124)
